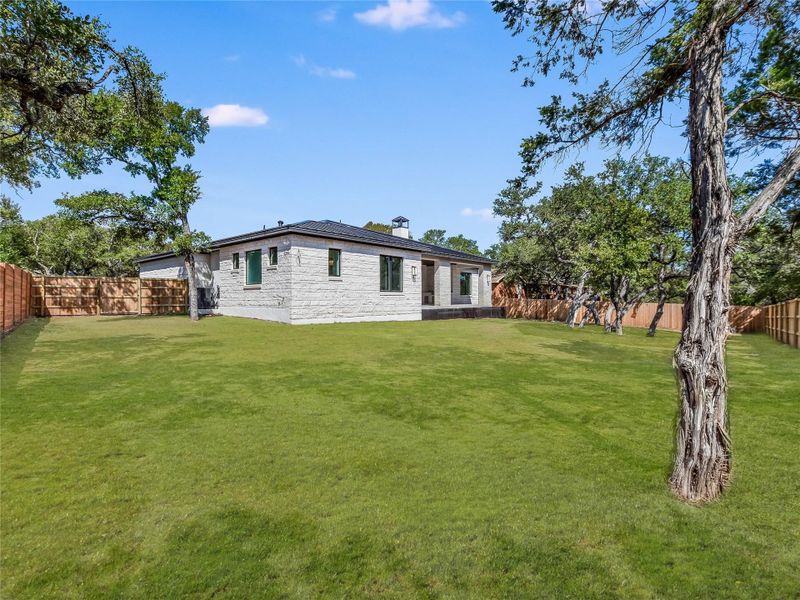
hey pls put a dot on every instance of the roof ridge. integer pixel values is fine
(334, 229)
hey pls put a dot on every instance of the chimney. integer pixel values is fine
(400, 227)
(280, 223)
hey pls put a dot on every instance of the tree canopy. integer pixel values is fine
(156, 149)
(660, 40)
(622, 232)
(375, 226)
(439, 237)
(61, 245)
(64, 84)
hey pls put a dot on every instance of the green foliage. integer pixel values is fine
(154, 458)
(434, 236)
(381, 227)
(63, 85)
(60, 244)
(569, 37)
(153, 149)
(629, 220)
(14, 242)
(454, 242)
(462, 244)
(766, 267)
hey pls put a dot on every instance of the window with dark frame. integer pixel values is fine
(273, 256)
(334, 262)
(252, 261)
(235, 260)
(466, 284)
(391, 273)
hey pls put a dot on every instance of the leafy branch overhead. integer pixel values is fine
(659, 40)
(63, 83)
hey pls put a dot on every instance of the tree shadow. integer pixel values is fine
(16, 348)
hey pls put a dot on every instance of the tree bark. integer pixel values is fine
(607, 326)
(662, 299)
(619, 298)
(577, 300)
(188, 261)
(703, 451)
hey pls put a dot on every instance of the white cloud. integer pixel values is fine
(403, 14)
(318, 71)
(485, 214)
(235, 115)
(231, 58)
(327, 15)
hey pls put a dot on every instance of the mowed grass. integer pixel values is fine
(232, 458)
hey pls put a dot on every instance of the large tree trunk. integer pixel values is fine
(619, 298)
(188, 261)
(703, 451)
(577, 300)
(607, 325)
(662, 299)
(618, 322)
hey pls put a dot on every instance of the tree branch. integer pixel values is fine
(783, 176)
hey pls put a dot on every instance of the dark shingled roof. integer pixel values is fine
(338, 231)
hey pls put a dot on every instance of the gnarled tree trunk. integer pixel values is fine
(591, 311)
(619, 298)
(607, 325)
(662, 299)
(577, 299)
(703, 451)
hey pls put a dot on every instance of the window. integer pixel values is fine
(334, 262)
(466, 284)
(235, 260)
(391, 274)
(253, 266)
(273, 256)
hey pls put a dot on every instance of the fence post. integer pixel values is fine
(13, 296)
(140, 295)
(3, 298)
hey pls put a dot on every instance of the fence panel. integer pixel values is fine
(164, 296)
(783, 322)
(743, 319)
(66, 296)
(118, 295)
(82, 296)
(15, 296)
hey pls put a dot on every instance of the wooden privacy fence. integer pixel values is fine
(783, 322)
(743, 319)
(55, 296)
(15, 296)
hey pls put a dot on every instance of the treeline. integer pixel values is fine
(624, 235)
(60, 244)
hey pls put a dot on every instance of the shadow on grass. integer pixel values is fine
(16, 349)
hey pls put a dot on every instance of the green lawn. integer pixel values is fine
(231, 458)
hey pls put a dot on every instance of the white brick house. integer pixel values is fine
(325, 272)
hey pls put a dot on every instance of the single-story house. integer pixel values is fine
(325, 272)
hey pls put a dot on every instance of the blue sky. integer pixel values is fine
(346, 111)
